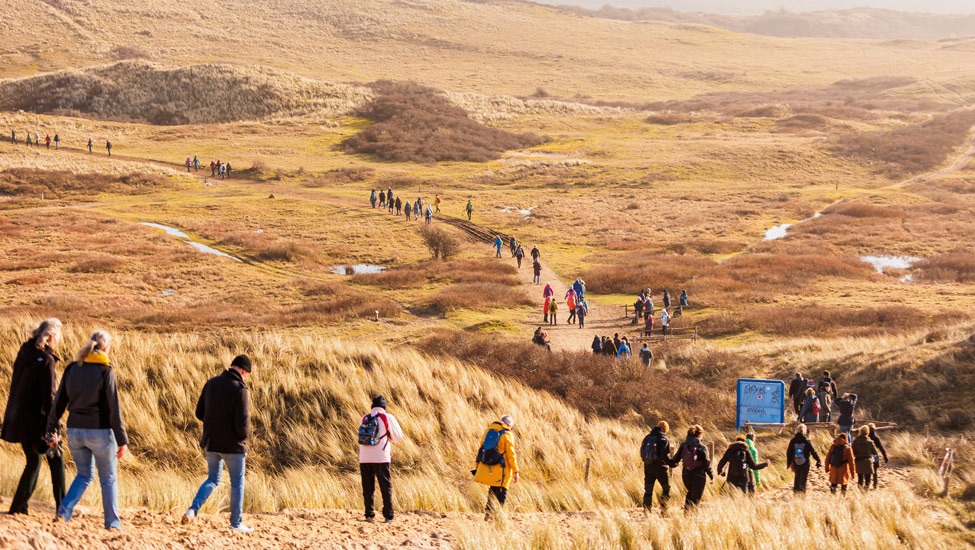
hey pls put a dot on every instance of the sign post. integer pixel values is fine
(760, 402)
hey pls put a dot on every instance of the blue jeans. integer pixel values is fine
(499, 252)
(85, 446)
(235, 466)
(848, 430)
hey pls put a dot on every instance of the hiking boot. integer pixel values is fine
(241, 528)
(188, 517)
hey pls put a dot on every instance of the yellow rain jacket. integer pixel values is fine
(499, 475)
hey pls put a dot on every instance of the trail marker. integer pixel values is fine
(760, 402)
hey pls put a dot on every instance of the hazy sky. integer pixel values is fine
(755, 7)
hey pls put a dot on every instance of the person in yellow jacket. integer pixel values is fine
(497, 466)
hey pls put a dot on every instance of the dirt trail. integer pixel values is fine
(960, 162)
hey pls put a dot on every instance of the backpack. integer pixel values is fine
(649, 452)
(739, 459)
(488, 454)
(800, 457)
(815, 407)
(690, 459)
(836, 458)
(369, 430)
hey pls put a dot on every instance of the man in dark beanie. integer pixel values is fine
(377, 432)
(224, 408)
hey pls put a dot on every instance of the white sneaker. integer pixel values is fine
(188, 517)
(242, 528)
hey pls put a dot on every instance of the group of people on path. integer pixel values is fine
(394, 204)
(56, 140)
(814, 401)
(218, 168)
(574, 299)
(620, 348)
(644, 310)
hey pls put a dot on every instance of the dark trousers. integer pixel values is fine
(28, 480)
(802, 476)
(495, 494)
(572, 317)
(652, 474)
(370, 473)
(863, 478)
(875, 468)
(832, 488)
(743, 486)
(695, 485)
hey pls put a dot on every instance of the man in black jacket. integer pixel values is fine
(797, 389)
(655, 452)
(739, 460)
(224, 408)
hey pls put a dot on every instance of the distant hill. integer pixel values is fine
(851, 23)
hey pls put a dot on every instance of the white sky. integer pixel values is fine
(756, 7)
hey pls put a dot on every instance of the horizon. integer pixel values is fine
(758, 7)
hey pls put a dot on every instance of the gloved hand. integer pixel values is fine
(885, 460)
(819, 464)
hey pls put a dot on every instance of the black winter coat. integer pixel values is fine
(738, 468)
(790, 453)
(704, 468)
(224, 408)
(89, 392)
(846, 410)
(663, 447)
(32, 388)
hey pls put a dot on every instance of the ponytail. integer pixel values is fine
(99, 342)
(46, 329)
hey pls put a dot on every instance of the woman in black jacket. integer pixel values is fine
(696, 467)
(880, 447)
(31, 394)
(797, 458)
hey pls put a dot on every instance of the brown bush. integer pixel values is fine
(97, 264)
(954, 267)
(859, 210)
(802, 121)
(419, 124)
(705, 246)
(349, 174)
(807, 320)
(638, 270)
(26, 280)
(442, 243)
(669, 119)
(909, 149)
(765, 111)
(62, 184)
(455, 271)
(287, 251)
(478, 296)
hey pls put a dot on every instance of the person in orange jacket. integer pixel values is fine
(840, 464)
(497, 465)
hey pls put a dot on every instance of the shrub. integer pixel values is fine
(419, 124)
(62, 184)
(637, 270)
(440, 242)
(478, 296)
(669, 119)
(765, 111)
(811, 319)
(287, 251)
(802, 121)
(955, 267)
(859, 210)
(97, 264)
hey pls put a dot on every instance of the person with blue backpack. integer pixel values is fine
(798, 457)
(655, 452)
(378, 430)
(497, 245)
(497, 464)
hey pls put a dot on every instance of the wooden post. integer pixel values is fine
(927, 431)
(588, 460)
(945, 469)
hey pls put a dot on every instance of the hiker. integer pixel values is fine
(57, 142)
(545, 309)
(37, 140)
(796, 388)
(519, 254)
(655, 452)
(13, 136)
(541, 339)
(696, 465)
(419, 203)
(226, 169)
(196, 163)
(666, 300)
(28, 139)
(188, 163)
(89, 146)
(96, 434)
(498, 244)
(683, 298)
(845, 405)
(377, 431)
(739, 461)
(470, 210)
(224, 409)
(408, 208)
(372, 198)
(382, 199)
(754, 478)
(497, 466)
(547, 292)
(637, 309)
(436, 202)
(646, 355)
(429, 216)
(648, 326)
(864, 450)
(664, 320)
(597, 345)
(213, 169)
(880, 447)
(609, 347)
(582, 309)
(416, 211)
(537, 268)
(223, 170)
(617, 342)
(47, 141)
(810, 408)
(389, 194)
(579, 287)
(826, 391)
(535, 253)
(513, 245)
(570, 304)
(108, 147)
(399, 206)
(624, 350)
(32, 386)
(797, 458)
(553, 308)
(840, 464)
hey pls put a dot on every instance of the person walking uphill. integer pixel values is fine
(810, 407)
(497, 464)
(537, 270)
(498, 244)
(32, 386)
(378, 430)
(840, 464)
(696, 465)
(470, 210)
(224, 409)
(876, 458)
(797, 388)
(739, 460)
(655, 452)
(372, 197)
(846, 405)
(864, 450)
(96, 434)
(519, 255)
(797, 457)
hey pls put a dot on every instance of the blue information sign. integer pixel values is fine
(760, 401)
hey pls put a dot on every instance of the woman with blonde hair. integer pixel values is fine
(797, 458)
(96, 435)
(32, 388)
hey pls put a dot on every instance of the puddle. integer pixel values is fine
(167, 292)
(779, 231)
(893, 262)
(526, 212)
(356, 269)
(909, 278)
(258, 231)
(173, 232)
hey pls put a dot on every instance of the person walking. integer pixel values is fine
(28, 139)
(880, 447)
(664, 320)
(57, 142)
(535, 254)
(513, 246)
(382, 199)
(13, 136)
(797, 388)
(90, 144)
(623, 352)
(754, 477)
(696, 465)
(436, 202)
(373, 197)
(537, 269)
(683, 298)
(570, 304)
(666, 300)
(428, 214)
(646, 356)
(840, 464)
(597, 346)
(582, 309)
(470, 210)
(196, 163)
(864, 450)
(648, 326)
(189, 164)
(378, 430)
(37, 139)
(655, 452)
(498, 244)
(389, 194)
(826, 391)
(213, 169)
(399, 206)
(408, 208)
(416, 211)
(519, 254)
(638, 309)
(810, 407)
(224, 409)
(226, 168)
(553, 308)
(32, 386)
(96, 433)
(108, 147)
(797, 458)
(579, 287)
(845, 405)
(739, 461)
(496, 462)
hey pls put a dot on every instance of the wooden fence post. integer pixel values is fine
(588, 460)
(945, 469)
